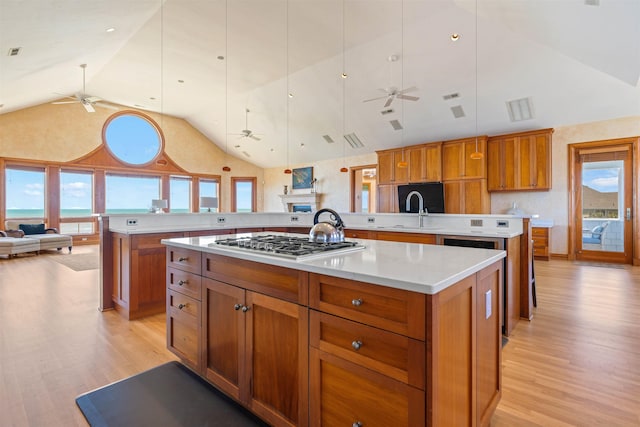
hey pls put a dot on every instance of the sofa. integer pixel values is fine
(12, 244)
(35, 229)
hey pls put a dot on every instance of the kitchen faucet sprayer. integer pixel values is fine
(422, 210)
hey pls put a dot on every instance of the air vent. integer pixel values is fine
(387, 111)
(14, 51)
(451, 96)
(246, 154)
(353, 140)
(476, 223)
(520, 109)
(395, 124)
(457, 111)
(592, 2)
(328, 139)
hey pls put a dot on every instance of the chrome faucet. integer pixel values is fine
(422, 211)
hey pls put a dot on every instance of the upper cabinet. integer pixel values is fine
(520, 161)
(389, 170)
(425, 162)
(457, 162)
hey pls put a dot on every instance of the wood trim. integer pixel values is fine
(254, 190)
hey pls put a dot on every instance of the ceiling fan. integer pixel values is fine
(392, 92)
(87, 101)
(246, 132)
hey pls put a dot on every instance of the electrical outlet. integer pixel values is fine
(476, 223)
(294, 218)
(222, 220)
(502, 223)
(371, 220)
(132, 222)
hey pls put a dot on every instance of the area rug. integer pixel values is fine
(78, 262)
(169, 395)
(598, 264)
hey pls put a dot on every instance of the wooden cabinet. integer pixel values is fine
(360, 234)
(255, 341)
(367, 354)
(388, 170)
(184, 288)
(467, 197)
(387, 199)
(425, 162)
(520, 162)
(396, 236)
(541, 237)
(457, 162)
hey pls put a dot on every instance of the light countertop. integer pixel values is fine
(416, 267)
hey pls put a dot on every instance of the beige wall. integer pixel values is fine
(63, 133)
(554, 204)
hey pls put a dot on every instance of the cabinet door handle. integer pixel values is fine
(356, 345)
(183, 282)
(237, 307)
(183, 258)
(356, 424)
(356, 302)
(245, 309)
(181, 306)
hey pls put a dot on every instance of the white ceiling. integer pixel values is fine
(577, 62)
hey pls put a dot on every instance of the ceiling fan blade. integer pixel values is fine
(87, 106)
(254, 137)
(389, 101)
(375, 99)
(408, 98)
(409, 89)
(65, 102)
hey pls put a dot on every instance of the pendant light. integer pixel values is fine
(402, 163)
(288, 170)
(226, 168)
(344, 74)
(477, 155)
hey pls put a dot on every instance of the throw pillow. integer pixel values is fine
(32, 228)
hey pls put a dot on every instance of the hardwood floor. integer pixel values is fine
(576, 364)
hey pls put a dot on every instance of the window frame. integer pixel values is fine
(234, 196)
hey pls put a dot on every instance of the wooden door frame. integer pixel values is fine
(575, 198)
(352, 185)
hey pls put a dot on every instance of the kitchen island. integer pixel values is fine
(400, 334)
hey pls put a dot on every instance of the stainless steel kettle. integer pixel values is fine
(326, 232)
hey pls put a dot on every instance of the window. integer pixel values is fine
(180, 194)
(25, 190)
(131, 194)
(210, 188)
(243, 194)
(76, 201)
(132, 138)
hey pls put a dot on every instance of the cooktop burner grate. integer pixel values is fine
(286, 246)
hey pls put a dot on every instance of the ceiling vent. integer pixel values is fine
(14, 51)
(520, 109)
(451, 96)
(328, 139)
(387, 111)
(353, 140)
(457, 111)
(246, 154)
(395, 124)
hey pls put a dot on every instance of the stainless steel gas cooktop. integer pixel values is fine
(297, 248)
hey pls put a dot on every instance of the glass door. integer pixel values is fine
(604, 201)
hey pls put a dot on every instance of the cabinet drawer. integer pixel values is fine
(395, 310)
(390, 354)
(183, 307)
(184, 282)
(540, 251)
(345, 394)
(184, 259)
(539, 232)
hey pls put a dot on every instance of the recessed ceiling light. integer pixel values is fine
(110, 30)
(290, 95)
(180, 81)
(455, 37)
(344, 75)
(220, 57)
(152, 98)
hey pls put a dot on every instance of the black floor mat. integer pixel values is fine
(168, 395)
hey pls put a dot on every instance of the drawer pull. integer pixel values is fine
(356, 424)
(183, 282)
(237, 307)
(183, 258)
(181, 306)
(356, 345)
(356, 302)
(245, 309)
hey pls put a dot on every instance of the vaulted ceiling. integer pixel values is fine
(208, 61)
